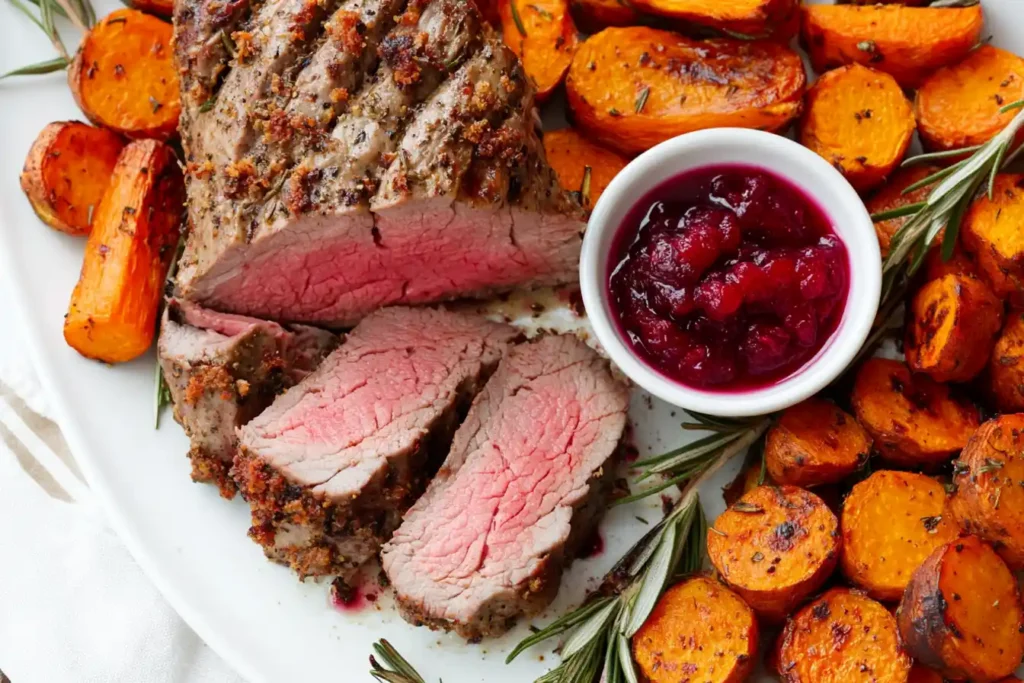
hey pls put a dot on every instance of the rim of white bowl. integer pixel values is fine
(781, 156)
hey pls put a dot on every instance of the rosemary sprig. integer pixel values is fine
(79, 12)
(400, 671)
(516, 18)
(49, 66)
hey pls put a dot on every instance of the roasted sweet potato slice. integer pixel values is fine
(989, 480)
(914, 420)
(631, 88)
(112, 314)
(952, 327)
(890, 196)
(571, 154)
(67, 171)
(922, 674)
(961, 613)
(775, 546)
(859, 121)
(123, 76)
(842, 637)
(959, 263)
(163, 8)
(814, 443)
(891, 523)
(1005, 377)
(544, 36)
(959, 106)
(909, 43)
(594, 15)
(991, 233)
(699, 629)
(752, 18)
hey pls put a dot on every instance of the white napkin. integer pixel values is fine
(74, 606)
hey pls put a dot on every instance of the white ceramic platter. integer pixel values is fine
(192, 544)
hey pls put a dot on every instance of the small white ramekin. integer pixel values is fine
(783, 157)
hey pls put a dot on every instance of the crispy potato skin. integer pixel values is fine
(163, 8)
(909, 43)
(891, 522)
(748, 84)
(958, 106)
(112, 314)
(593, 15)
(961, 613)
(1005, 377)
(952, 328)
(989, 479)
(814, 443)
(547, 48)
(760, 18)
(914, 420)
(699, 629)
(859, 121)
(991, 233)
(842, 637)
(775, 547)
(124, 78)
(67, 171)
(890, 196)
(569, 153)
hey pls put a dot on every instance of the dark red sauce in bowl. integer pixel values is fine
(728, 278)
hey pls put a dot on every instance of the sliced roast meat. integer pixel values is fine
(223, 370)
(331, 466)
(523, 486)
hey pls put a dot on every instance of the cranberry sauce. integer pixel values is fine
(728, 277)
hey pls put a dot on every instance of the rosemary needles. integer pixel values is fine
(78, 12)
(400, 671)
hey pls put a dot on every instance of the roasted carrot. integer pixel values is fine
(991, 233)
(112, 314)
(544, 36)
(751, 18)
(572, 154)
(815, 442)
(959, 263)
(891, 196)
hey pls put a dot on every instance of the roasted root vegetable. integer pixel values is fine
(989, 479)
(543, 35)
(631, 88)
(922, 674)
(751, 18)
(774, 547)
(1005, 378)
(909, 43)
(67, 171)
(959, 263)
(959, 106)
(991, 233)
(814, 443)
(891, 523)
(952, 325)
(112, 315)
(124, 78)
(961, 613)
(699, 630)
(842, 637)
(594, 15)
(859, 121)
(746, 480)
(164, 8)
(914, 420)
(571, 154)
(892, 196)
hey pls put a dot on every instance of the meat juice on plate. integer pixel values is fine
(728, 278)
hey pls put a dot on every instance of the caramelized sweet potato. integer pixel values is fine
(544, 36)
(989, 479)
(112, 315)
(751, 18)
(632, 88)
(909, 43)
(958, 106)
(859, 121)
(67, 170)
(891, 523)
(991, 233)
(746, 480)
(124, 78)
(775, 546)
(814, 443)
(571, 154)
(922, 674)
(890, 196)
(163, 8)
(952, 325)
(960, 263)
(842, 637)
(961, 613)
(1005, 378)
(594, 15)
(914, 420)
(699, 630)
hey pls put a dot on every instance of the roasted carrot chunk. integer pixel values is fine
(543, 35)
(1005, 377)
(594, 15)
(891, 196)
(67, 171)
(814, 443)
(699, 629)
(909, 43)
(623, 93)
(842, 637)
(891, 523)
(112, 315)
(752, 18)
(571, 154)
(123, 76)
(914, 420)
(775, 546)
(961, 613)
(859, 121)
(959, 106)
(991, 233)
